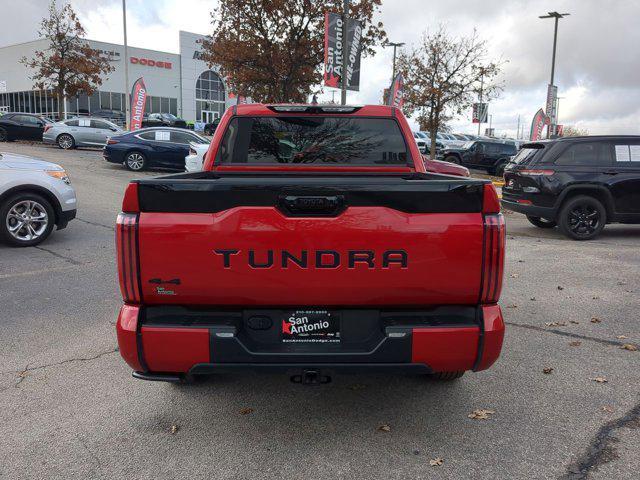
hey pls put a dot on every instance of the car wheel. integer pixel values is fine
(135, 161)
(499, 170)
(66, 141)
(541, 222)
(582, 218)
(3, 135)
(27, 220)
(452, 159)
(445, 376)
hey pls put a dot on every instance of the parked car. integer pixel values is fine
(35, 196)
(80, 132)
(446, 168)
(22, 126)
(578, 183)
(115, 116)
(210, 128)
(312, 262)
(163, 120)
(427, 137)
(422, 142)
(195, 160)
(151, 147)
(489, 155)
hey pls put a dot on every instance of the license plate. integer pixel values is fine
(311, 326)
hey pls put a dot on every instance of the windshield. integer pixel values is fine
(310, 139)
(422, 135)
(199, 139)
(468, 145)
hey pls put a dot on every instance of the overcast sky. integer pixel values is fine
(597, 69)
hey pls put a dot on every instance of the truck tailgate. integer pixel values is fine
(238, 240)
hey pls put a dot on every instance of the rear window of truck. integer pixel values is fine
(313, 140)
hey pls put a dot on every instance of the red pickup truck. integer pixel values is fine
(314, 241)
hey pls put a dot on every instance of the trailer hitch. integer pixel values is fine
(311, 377)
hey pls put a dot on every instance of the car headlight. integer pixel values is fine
(59, 174)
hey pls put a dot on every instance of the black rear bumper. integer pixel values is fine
(531, 210)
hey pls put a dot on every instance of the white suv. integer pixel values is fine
(35, 196)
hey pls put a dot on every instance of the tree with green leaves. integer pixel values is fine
(69, 65)
(273, 50)
(442, 77)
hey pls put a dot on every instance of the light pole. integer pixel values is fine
(127, 102)
(345, 51)
(395, 46)
(556, 16)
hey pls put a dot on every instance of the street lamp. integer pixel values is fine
(395, 45)
(127, 107)
(556, 16)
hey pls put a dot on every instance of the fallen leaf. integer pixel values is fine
(481, 414)
(533, 299)
(621, 337)
(607, 409)
(246, 411)
(599, 379)
(629, 346)
(357, 386)
(436, 462)
(595, 320)
(174, 429)
(574, 322)
(515, 275)
(556, 324)
(547, 370)
(575, 343)
(560, 287)
(384, 428)
(512, 306)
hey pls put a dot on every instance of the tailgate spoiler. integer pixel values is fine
(212, 192)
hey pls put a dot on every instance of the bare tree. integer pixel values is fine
(572, 131)
(272, 50)
(442, 77)
(69, 65)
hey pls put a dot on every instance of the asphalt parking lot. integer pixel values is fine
(69, 407)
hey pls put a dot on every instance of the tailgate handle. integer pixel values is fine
(312, 206)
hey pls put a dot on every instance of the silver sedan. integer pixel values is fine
(80, 132)
(35, 197)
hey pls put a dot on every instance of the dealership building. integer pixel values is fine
(181, 84)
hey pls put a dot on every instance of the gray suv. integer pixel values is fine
(80, 132)
(35, 197)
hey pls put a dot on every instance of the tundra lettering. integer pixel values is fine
(322, 258)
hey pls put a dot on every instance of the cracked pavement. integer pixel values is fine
(69, 407)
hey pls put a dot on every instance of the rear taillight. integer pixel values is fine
(128, 257)
(192, 151)
(492, 258)
(111, 141)
(47, 128)
(490, 201)
(130, 202)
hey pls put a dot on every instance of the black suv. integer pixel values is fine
(489, 155)
(163, 120)
(577, 183)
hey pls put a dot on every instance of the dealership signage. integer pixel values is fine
(333, 43)
(396, 93)
(150, 63)
(552, 94)
(138, 101)
(479, 112)
(537, 125)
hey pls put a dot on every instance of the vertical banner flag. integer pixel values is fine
(552, 94)
(537, 125)
(333, 61)
(479, 113)
(396, 92)
(138, 101)
(559, 130)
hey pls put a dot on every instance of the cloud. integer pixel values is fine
(597, 69)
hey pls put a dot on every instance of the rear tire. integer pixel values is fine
(452, 159)
(65, 141)
(4, 137)
(582, 218)
(541, 222)
(446, 376)
(135, 161)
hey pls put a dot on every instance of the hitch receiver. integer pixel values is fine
(311, 377)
